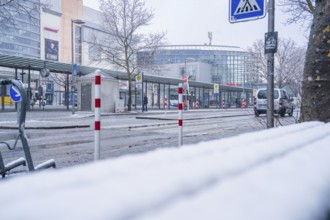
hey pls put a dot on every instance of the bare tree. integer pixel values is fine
(10, 9)
(122, 38)
(316, 81)
(289, 62)
(258, 52)
(301, 10)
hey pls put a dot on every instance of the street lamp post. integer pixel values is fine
(74, 66)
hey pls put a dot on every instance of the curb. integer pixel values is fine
(191, 119)
(14, 127)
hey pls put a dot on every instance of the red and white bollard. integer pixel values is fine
(197, 103)
(165, 105)
(180, 121)
(97, 114)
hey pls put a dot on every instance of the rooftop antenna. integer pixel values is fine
(210, 38)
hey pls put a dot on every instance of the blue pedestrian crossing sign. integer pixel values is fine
(246, 10)
(15, 95)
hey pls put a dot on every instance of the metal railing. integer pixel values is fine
(23, 104)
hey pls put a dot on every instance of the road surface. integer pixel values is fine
(123, 134)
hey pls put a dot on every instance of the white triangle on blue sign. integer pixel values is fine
(247, 6)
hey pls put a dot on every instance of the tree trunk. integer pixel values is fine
(316, 83)
(129, 104)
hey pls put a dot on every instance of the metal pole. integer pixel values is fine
(72, 61)
(29, 88)
(164, 95)
(270, 68)
(21, 122)
(67, 92)
(208, 98)
(16, 77)
(97, 115)
(142, 98)
(169, 95)
(158, 95)
(203, 97)
(185, 84)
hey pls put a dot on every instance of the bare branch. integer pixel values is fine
(26, 9)
(289, 63)
(123, 21)
(301, 10)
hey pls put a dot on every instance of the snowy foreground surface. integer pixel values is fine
(280, 174)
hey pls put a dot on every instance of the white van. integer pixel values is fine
(282, 102)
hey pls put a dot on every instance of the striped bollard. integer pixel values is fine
(180, 122)
(197, 103)
(223, 103)
(97, 114)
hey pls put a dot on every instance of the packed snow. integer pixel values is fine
(280, 173)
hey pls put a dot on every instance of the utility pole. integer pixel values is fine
(270, 68)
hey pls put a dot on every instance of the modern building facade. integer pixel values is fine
(228, 65)
(21, 36)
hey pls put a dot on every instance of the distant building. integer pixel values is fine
(23, 37)
(227, 64)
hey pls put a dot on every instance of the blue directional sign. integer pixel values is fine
(246, 10)
(74, 71)
(15, 95)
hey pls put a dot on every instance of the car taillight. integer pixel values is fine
(281, 102)
(255, 101)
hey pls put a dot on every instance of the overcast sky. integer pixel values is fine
(189, 21)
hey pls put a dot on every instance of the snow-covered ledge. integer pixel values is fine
(280, 174)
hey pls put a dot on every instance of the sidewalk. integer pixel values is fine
(62, 118)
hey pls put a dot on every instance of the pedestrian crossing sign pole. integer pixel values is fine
(246, 10)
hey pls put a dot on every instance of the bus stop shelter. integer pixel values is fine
(156, 87)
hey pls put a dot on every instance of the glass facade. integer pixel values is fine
(78, 44)
(229, 65)
(22, 38)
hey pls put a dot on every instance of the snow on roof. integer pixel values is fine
(280, 173)
(202, 47)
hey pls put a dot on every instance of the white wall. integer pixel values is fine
(50, 28)
(109, 92)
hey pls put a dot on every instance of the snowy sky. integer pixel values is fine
(189, 21)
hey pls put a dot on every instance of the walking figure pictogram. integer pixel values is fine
(247, 6)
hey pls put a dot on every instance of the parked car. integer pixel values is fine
(282, 102)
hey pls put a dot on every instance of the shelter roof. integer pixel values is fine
(58, 67)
